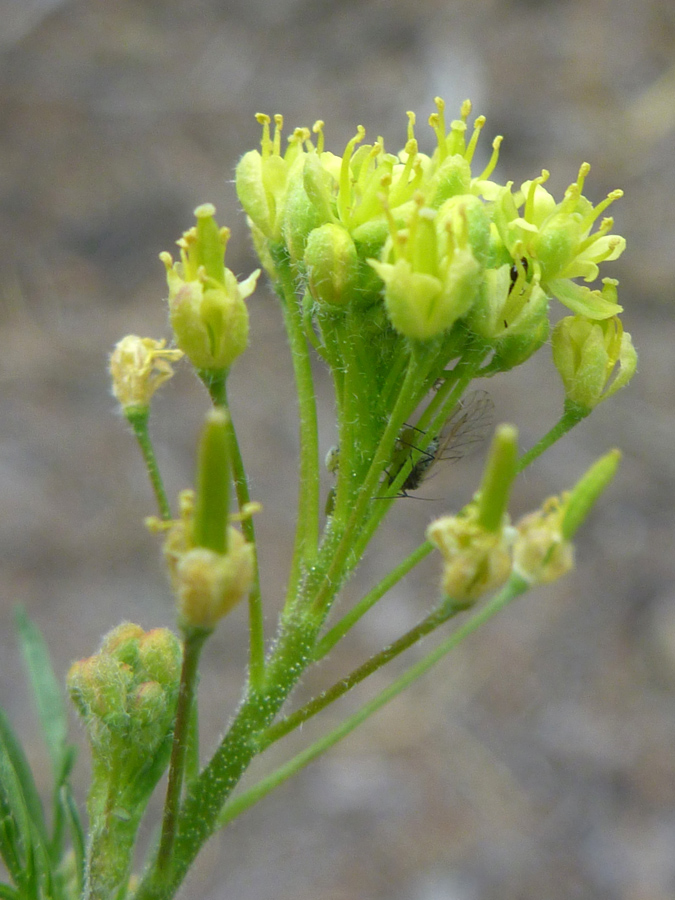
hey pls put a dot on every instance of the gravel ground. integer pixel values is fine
(538, 761)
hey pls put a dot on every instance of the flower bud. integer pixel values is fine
(332, 265)
(307, 204)
(138, 367)
(588, 354)
(206, 302)
(452, 177)
(160, 656)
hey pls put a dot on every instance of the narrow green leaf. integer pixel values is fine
(77, 837)
(48, 696)
(16, 760)
(15, 831)
(7, 892)
(23, 834)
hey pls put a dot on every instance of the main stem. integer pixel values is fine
(198, 816)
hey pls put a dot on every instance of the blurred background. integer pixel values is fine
(536, 762)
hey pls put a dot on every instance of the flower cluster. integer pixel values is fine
(414, 259)
(446, 244)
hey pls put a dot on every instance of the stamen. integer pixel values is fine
(489, 169)
(317, 128)
(265, 142)
(477, 128)
(278, 126)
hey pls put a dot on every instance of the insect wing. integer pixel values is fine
(467, 426)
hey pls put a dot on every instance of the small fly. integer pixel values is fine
(467, 426)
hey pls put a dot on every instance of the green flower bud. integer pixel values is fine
(123, 642)
(512, 314)
(514, 349)
(160, 657)
(101, 684)
(332, 265)
(587, 355)
(206, 302)
(128, 717)
(301, 215)
(452, 177)
(369, 240)
(147, 708)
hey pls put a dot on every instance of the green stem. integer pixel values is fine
(571, 417)
(307, 529)
(340, 629)
(138, 419)
(513, 588)
(343, 553)
(205, 795)
(192, 648)
(450, 393)
(440, 615)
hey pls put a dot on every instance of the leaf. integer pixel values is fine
(15, 758)
(7, 892)
(48, 696)
(23, 834)
(15, 831)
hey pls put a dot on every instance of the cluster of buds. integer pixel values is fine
(126, 696)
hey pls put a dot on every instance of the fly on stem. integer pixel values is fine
(466, 427)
